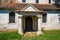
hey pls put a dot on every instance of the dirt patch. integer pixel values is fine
(29, 34)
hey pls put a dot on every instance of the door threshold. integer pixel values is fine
(29, 33)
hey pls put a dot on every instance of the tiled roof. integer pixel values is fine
(38, 6)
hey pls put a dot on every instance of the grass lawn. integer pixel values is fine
(10, 36)
(47, 35)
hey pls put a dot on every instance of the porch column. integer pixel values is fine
(20, 29)
(39, 24)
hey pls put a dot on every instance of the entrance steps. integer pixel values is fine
(30, 34)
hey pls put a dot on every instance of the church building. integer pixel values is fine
(29, 15)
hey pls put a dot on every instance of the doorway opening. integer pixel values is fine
(28, 24)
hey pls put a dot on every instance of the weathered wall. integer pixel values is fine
(34, 1)
(18, 1)
(30, 1)
(52, 2)
(52, 22)
(4, 17)
(4, 22)
(43, 1)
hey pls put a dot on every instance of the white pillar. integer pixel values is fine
(39, 24)
(20, 28)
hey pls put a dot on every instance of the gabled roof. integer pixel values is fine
(41, 7)
(30, 8)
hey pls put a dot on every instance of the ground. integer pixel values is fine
(47, 35)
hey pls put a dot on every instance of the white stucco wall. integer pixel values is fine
(18, 1)
(4, 17)
(52, 2)
(52, 22)
(30, 1)
(43, 1)
(34, 1)
(4, 22)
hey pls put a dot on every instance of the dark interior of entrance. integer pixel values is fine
(28, 24)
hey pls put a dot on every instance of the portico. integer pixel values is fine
(30, 21)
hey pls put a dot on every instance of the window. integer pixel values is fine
(44, 18)
(12, 17)
(59, 18)
(23, 0)
(49, 1)
(57, 2)
(37, 1)
(0, 2)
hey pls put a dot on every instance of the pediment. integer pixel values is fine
(30, 7)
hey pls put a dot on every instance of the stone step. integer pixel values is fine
(30, 34)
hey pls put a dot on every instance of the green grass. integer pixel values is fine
(10, 36)
(47, 35)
